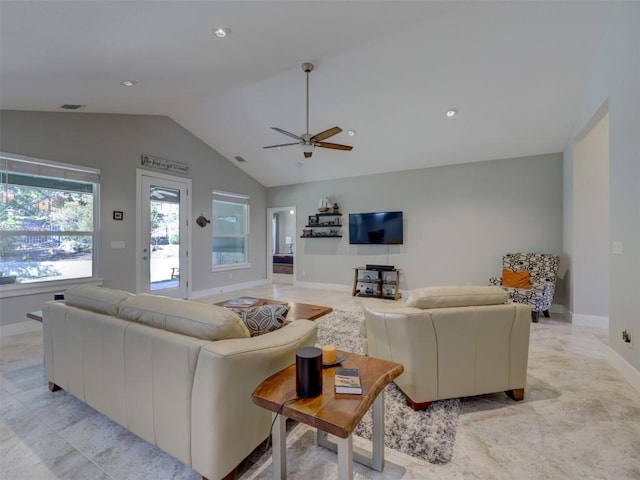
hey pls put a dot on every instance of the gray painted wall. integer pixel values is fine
(613, 81)
(458, 220)
(114, 143)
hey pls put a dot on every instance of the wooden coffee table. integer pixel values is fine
(330, 412)
(297, 311)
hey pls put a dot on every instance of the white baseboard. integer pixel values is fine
(323, 286)
(557, 308)
(228, 288)
(20, 327)
(589, 320)
(625, 369)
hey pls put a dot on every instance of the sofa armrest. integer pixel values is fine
(495, 281)
(405, 335)
(226, 425)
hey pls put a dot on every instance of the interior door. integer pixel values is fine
(163, 239)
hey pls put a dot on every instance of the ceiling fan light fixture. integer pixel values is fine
(307, 148)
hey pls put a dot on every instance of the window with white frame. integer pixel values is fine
(230, 230)
(48, 221)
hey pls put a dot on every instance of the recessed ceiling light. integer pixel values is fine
(221, 32)
(291, 212)
(452, 112)
(351, 133)
(128, 83)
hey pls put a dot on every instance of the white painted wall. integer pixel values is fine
(590, 288)
(615, 79)
(458, 220)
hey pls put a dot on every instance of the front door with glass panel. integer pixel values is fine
(163, 236)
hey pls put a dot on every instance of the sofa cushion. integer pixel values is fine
(456, 296)
(196, 319)
(263, 319)
(94, 298)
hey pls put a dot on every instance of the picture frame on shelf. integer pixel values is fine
(313, 220)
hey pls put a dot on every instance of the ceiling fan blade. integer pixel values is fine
(282, 145)
(307, 154)
(318, 137)
(289, 134)
(335, 146)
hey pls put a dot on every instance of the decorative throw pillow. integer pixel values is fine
(263, 319)
(513, 279)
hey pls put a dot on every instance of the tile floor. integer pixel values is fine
(580, 420)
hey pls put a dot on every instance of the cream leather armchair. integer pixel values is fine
(453, 342)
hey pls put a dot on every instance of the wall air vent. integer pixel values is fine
(71, 106)
(239, 159)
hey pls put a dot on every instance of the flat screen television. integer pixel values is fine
(379, 228)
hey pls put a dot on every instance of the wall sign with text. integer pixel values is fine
(157, 162)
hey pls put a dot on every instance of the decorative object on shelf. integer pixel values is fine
(336, 209)
(324, 205)
(202, 221)
(327, 225)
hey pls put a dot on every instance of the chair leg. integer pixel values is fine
(516, 394)
(417, 405)
(535, 316)
(546, 313)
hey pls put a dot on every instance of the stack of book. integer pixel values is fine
(347, 380)
(241, 302)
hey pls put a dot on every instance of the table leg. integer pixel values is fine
(345, 458)
(377, 455)
(279, 448)
(373, 459)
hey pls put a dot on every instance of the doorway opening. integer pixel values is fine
(281, 251)
(590, 290)
(163, 237)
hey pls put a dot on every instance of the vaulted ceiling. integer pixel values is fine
(386, 69)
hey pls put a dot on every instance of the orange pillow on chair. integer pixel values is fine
(515, 279)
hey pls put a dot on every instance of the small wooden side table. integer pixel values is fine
(330, 412)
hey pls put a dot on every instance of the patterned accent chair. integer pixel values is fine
(543, 271)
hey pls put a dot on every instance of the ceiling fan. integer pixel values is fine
(307, 141)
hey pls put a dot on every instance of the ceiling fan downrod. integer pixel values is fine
(307, 68)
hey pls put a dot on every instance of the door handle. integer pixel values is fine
(145, 258)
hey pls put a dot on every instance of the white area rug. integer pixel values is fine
(427, 434)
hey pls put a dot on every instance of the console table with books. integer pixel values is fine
(331, 413)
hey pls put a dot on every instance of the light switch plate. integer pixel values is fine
(617, 248)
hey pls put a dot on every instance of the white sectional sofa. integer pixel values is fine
(177, 373)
